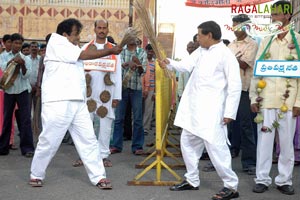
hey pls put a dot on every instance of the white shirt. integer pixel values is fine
(63, 77)
(212, 92)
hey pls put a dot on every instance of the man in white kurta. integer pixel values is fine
(98, 86)
(209, 101)
(64, 105)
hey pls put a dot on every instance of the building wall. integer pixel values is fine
(35, 19)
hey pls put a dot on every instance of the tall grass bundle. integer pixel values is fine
(130, 34)
(145, 22)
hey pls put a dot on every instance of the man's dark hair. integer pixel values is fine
(211, 27)
(67, 25)
(25, 45)
(34, 43)
(226, 42)
(17, 36)
(285, 7)
(96, 22)
(240, 18)
(6, 37)
(148, 47)
(195, 37)
(110, 39)
(47, 38)
(43, 46)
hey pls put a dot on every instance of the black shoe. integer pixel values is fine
(260, 188)
(4, 153)
(250, 170)
(29, 154)
(184, 185)
(286, 189)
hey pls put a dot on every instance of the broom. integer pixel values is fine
(146, 24)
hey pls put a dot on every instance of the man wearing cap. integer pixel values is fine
(242, 132)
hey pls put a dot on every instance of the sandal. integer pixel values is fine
(138, 152)
(104, 184)
(77, 163)
(226, 194)
(36, 183)
(107, 162)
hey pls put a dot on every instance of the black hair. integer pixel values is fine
(25, 45)
(284, 6)
(95, 23)
(67, 25)
(6, 37)
(240, 18)
(226, 42)
(43, 46)
(110, 39)
(195, 37)
(47, 38)
(17, 36)
(211, 27)
(148, 47)
(33, 43)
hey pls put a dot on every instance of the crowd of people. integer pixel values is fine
(64, 88)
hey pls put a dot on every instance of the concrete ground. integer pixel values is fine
(64, 182)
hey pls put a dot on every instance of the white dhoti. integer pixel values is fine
(104, 134)
(265, 142)
(192, 147)
(57, 118)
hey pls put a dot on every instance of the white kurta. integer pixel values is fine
(212, 92)
(98, 85)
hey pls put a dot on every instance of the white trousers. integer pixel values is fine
(265, 142)
(57, 118)
(192, 147)
(104, 133)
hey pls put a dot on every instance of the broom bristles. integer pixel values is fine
(129, 35)
(146, 24)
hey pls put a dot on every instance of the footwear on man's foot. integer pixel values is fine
(107, 162)
(13, 147)
(114, 150)
(139, 152)
(104, 184)
(286, 189)
(250, 170)
(184, 185)
(260, 188)
(226, 194)
(77, 163)
(29, 154)
(36, 183)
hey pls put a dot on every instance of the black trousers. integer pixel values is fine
(242, 133)
(24, 122)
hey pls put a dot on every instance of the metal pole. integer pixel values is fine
(130, 13)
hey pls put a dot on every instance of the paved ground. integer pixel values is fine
(64, 182)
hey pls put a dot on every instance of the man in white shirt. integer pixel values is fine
(64, 104)
(209, 102)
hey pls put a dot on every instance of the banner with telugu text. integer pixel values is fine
(222, 3)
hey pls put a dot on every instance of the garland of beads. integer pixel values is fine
(262, 84)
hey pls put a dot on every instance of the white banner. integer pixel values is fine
(106, 65)
(277, 68)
